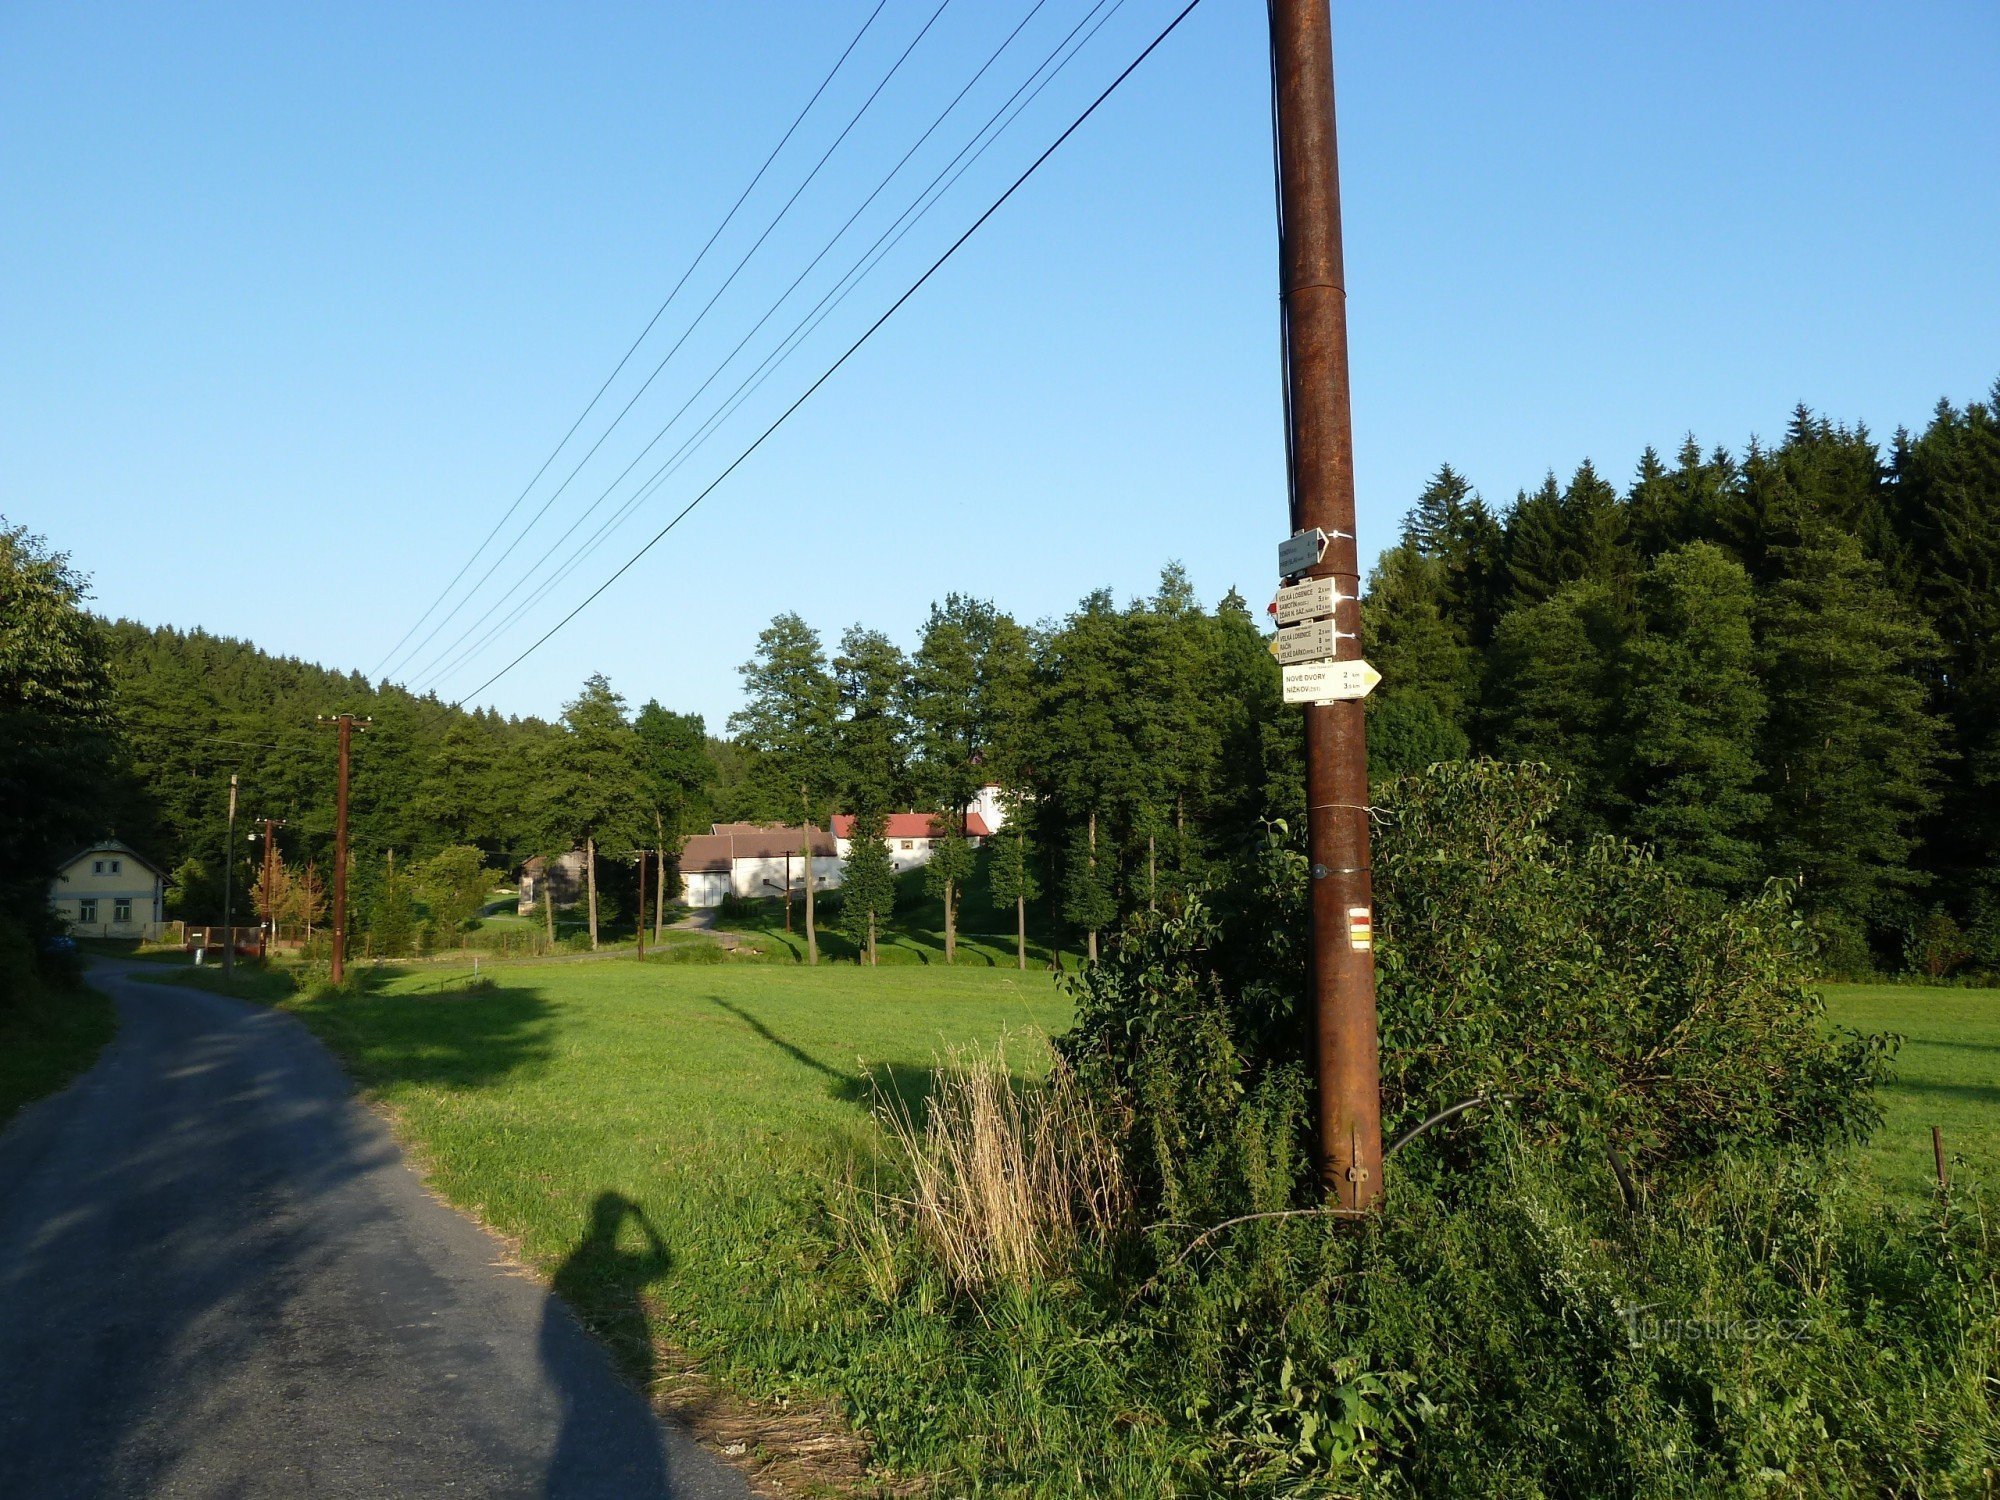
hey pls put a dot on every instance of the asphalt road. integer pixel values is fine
(217, 1277)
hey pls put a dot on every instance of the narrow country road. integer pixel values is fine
(217, 1277)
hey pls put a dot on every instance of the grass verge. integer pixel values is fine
(47, 1037)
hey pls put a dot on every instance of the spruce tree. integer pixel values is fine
(1946, 499)
(1694, 708)
(1413, 638)
(868, 886)
(1552, 698)
(1850, 748)
(1558, 537)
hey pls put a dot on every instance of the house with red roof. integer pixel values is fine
(910, 835)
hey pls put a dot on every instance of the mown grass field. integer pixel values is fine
(663, 1141)
(1947, 1075)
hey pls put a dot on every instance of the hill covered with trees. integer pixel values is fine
(1780, 663)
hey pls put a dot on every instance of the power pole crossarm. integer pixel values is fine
(1321, 437)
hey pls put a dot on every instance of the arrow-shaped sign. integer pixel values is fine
(1329, 681)
(1300, 551)
(1312, 641)
(1306, 601)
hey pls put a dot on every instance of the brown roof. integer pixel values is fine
(714, 852)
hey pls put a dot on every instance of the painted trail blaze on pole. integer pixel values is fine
(1322, 472)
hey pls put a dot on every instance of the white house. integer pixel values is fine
(109, 890)
(909, 835)
(990, 808)
(754, 859)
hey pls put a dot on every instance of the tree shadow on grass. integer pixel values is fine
(910, 1083)
(453, 1037)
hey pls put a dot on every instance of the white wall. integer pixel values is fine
(747, 876)
(988, 805)
(704, 888)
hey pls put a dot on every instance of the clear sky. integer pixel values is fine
(294, 299)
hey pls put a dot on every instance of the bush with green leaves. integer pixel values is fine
(1615, 1005)
(1737, 1317)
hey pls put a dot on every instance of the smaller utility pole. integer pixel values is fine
(639, 919)
(660, 885)
(346, 725)
(228, 887)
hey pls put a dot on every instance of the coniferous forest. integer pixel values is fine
(1775, 663)
(1778, 662)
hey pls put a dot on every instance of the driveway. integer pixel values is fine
(217, 1277)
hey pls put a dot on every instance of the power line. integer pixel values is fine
(688, 332)
(850, 352)
(658, 313)
(444, 663)
(918, 208)
(434, 671)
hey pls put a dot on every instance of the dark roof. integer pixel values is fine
(109, 846)
(710, 852)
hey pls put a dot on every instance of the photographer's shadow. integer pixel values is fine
(615, 1449)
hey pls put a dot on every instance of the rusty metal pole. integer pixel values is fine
(1314, 300)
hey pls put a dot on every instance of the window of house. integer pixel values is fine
(86, 911)
(909, 843)
(97, 867)
(117, 865)
(121, 911)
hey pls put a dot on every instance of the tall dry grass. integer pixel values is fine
(1006, 1180)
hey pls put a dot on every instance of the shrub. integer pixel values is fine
(735, 908)
(1617, 1006)
(1935, 945)
(1512, 1323)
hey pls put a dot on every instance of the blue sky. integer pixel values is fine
(294, 299)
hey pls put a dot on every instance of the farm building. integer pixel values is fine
(564, 877)
(910, 835)
(754, 859)
(109, 890)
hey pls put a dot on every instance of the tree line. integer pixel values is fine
(1778, 663)
(1784, 662)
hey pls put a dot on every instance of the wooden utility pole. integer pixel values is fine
(659, 884)
(271, 827)
(345, 725)
(1321, 449)
(229, 887)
